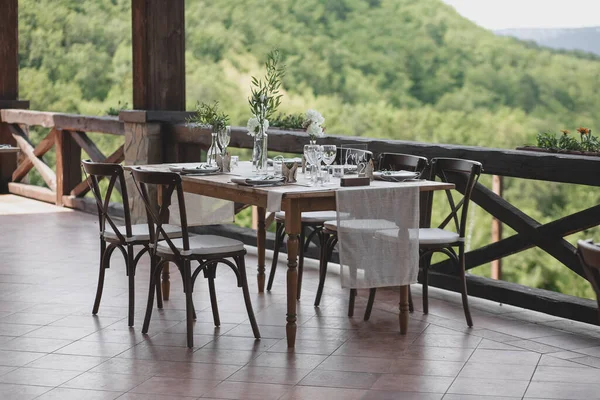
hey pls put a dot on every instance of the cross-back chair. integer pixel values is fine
(589, 255)
(312, 223)
(464, 174)
(388, 161)
(208, 251)
(115, 236)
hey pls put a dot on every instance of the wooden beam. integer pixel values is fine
(9, 81)
(545, 301)
(514, 163)
(83, 187)
(33, 192)
(88, 146)
(158, 43)
(69, 122)
(27, 148)
(42, 148)
(9, 50)
(68, 165)
(550, 242)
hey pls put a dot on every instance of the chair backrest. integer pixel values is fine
(464, 174)
(397, 162)
(95, 171)
(589, 255)
(158, 212)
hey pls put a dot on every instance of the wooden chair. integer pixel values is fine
(387, 161)
(312, 226)
(464, 174)
(207, 250)
(589, 255)
(113, 236)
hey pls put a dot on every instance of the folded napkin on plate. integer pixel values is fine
(258, 181)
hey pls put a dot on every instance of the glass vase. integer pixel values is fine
(213, 150)
(259, 153)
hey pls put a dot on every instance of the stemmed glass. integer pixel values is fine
(329, 152)
(311, 154)
(224, 139)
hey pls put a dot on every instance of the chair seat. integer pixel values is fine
(360, 224)
(140, 231)
(312, 217)
(428, 236)
(204, 245)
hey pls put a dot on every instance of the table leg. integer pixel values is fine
(166, 283)
(261, 238)
(403, 309)
(292, 228)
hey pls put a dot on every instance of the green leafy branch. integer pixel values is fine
(265, 98)
(209, 115)
(114, 111)
(289, 121)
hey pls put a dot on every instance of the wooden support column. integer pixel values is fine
(497, 186)
(68, 165)
(158, 54)
(9, 82)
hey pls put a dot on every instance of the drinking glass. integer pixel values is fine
(312, 160)
(329, 152)
(224, 139)
(278, 166)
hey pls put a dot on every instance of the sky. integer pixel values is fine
(501, 14)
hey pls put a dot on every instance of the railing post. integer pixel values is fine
(68, 165)
(9, 83)
(497, 186)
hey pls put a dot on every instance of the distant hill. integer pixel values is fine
(583, 39)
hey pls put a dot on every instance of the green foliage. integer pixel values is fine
(265, 97)
(114, 111)
(209, 115)
(564, 141)
(288, 121)
(399, 69)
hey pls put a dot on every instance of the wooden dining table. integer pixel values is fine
(295, 200)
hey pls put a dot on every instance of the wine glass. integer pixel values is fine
(329, 152)
(224, 139)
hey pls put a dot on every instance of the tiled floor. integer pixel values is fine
(51, 347)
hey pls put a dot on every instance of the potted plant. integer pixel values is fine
(311, 122)
(565, 143)
(209, 116)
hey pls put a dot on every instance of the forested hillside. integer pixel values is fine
(403, 69)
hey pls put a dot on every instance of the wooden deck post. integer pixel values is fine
(497, 186)
(68, 168)
(158, 54)
(9, 82)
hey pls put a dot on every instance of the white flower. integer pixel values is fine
(252, 126)
(314, 130)
(315, 117)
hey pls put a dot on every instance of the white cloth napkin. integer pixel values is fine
(367, 258)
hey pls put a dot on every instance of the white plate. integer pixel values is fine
(395, 176)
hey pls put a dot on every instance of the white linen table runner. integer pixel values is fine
(369, 260)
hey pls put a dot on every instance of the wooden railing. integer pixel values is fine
(164, 137)
(582, 170)
(68, 135)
